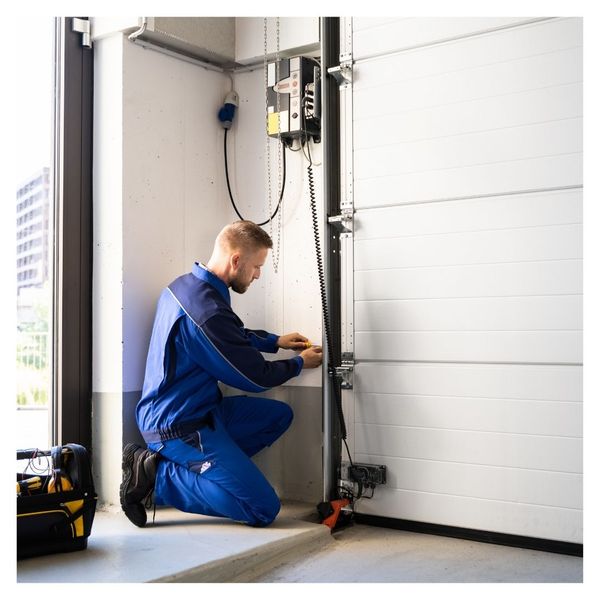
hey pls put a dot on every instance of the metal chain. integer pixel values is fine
(276, 246)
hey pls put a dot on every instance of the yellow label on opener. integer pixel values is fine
(273, 123)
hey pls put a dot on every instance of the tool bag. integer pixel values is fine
(56, 501)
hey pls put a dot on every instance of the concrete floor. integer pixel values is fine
(179, 547)
(361, 553)
(182, 547)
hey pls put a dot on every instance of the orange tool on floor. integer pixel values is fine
(330, 511)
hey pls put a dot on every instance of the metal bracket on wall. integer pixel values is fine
(345, 370)
(343, 223)
(342, 73)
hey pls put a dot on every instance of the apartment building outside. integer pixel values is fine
(33, 218)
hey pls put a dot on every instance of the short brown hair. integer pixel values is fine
(245, 235)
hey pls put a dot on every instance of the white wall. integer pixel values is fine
(160, 199)
(297, 35)
(173, 191)
(107, 330)
(288, 300)
(158, 204)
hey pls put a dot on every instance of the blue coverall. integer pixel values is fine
(206, 440)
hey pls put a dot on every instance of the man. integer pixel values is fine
(199, 442)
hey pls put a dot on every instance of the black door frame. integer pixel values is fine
(72, 329)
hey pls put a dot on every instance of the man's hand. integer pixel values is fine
(293, 341)
(312, 357)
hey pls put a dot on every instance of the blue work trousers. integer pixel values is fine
(209, 472)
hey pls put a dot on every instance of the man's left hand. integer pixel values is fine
(293, 341)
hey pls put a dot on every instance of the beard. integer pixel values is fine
(239, 286)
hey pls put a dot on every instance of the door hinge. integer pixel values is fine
(82, 26)
(345, 371)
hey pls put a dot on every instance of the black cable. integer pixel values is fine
(294, 149)
(229, 186)
(330, 369)
(313, 206)
(372, 494)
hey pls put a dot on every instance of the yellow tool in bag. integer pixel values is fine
(55, 504)
(29, 485)
(60, 482)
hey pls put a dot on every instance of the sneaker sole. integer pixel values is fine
(127, 467)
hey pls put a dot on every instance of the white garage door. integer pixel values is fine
(467, 186)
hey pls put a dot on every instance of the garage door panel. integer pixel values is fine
(376, 35)
(557, 207)
(364, 23)
(532, 417)
(516, 43)
(458, 86)
(482, 148)
(467, 271)
(551, 242)
(471, 314)
(499, 112)
(532, 520)
(509, 279)
(562, 490)
(517, 382)
(511, 176)
(550, 453)
(506, 346)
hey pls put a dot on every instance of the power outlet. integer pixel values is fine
(366, 474)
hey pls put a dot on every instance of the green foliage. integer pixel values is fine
(33, 348)
(32, 397)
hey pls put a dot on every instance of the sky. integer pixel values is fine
(33, 98)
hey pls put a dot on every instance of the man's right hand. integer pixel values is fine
(312, 357)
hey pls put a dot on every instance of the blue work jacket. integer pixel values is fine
(197, 340)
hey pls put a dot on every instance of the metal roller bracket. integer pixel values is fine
(342, 73)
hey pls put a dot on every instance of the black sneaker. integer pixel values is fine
(139, 475)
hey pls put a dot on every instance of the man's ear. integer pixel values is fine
(235, 260)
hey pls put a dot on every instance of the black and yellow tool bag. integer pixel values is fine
(56, 500)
